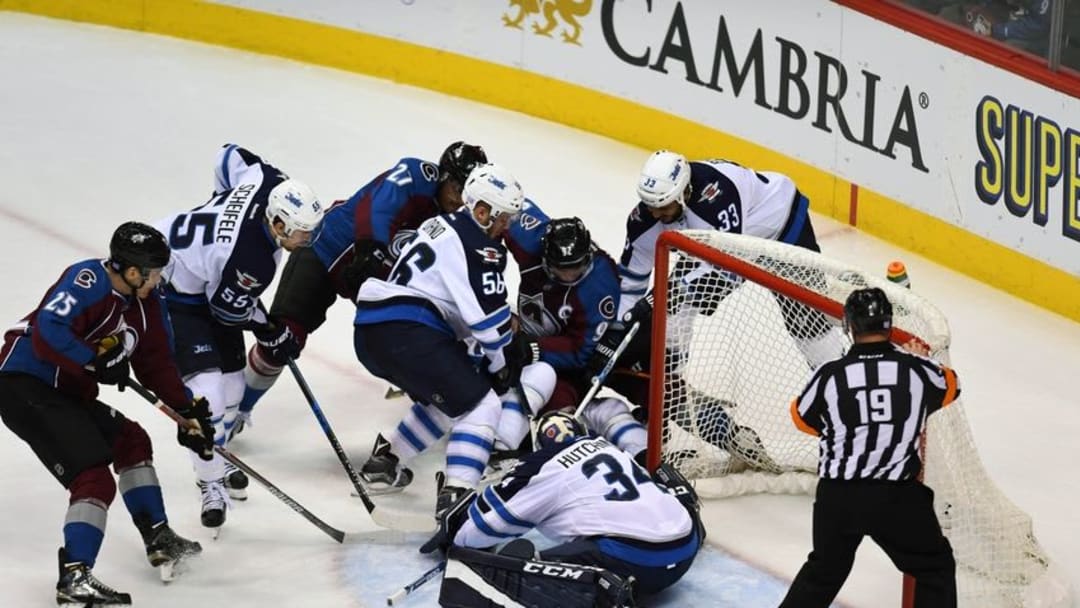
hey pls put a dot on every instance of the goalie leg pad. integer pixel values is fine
(479, 579)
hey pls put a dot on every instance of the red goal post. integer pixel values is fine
(739, 324)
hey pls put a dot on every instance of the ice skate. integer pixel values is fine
(166, 550)
(383, 472)
(78, 587)
(215, 502)
(447, 495)
(236, 482)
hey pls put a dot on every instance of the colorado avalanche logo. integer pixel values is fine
(86, 278)
(565, 311)
(529, 222)
(607, 307)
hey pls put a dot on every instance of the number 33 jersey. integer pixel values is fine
(449, 277)
(222, 253)
(589, 488)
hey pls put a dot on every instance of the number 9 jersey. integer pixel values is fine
(449, 277)
(222, 254)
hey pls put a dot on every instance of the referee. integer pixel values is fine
(869, 409)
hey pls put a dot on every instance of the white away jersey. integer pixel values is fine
(222, 253)
(450, 276)
(725, 197)
(586, 489)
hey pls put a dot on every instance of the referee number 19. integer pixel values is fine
(874, 405)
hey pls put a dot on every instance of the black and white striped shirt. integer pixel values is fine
(869, 409)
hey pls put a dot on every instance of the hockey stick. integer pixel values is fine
(405, 591)
(395, 521)
(601, 376)
(329, 530)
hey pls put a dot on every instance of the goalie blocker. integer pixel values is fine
(481, 579)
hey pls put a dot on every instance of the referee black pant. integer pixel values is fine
(899, 517)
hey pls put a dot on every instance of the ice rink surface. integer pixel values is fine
(99, 126)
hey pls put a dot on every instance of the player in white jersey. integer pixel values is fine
(600, 507)
(225, 254)
(447, 286)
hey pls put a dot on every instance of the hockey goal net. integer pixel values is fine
(740, 322)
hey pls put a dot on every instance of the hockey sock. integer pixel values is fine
(538, 383)
(142, 493)
(421, 427)
(611, 418)
(471, 438)
(212, 385)
(84, 524)
(233, 390)
(260, 374)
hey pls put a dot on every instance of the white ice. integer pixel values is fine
(98, 126)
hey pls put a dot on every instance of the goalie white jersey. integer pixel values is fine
(450, 277)
(586, 489)
(725, 197)
(223, 256)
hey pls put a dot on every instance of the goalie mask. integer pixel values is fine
(557, 429)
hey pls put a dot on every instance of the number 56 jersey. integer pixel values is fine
(222, 253)
(449, 277)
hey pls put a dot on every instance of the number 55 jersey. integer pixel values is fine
(223, 256)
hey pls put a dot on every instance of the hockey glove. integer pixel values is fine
(505, 379)
(278, 340)
(111, 363)
(523, 351)
(450, 521)
(368, 261)
(606, 347)
(197, 434)
(641, 312)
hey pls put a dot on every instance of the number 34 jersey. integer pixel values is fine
(222, 253)
(586, 489)
(449, 277)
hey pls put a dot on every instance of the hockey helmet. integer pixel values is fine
(567, 246)
(665, 179)
(867, 310)
(139, 245)
(495, 186)
(295, 205)
(458, 160)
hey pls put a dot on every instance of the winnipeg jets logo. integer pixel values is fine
(490, 255)
(246, 282)
(710, 192)
(498, 183)
(295, 200)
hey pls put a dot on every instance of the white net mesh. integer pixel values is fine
(738, 352)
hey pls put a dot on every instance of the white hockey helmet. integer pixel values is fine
(495, 186)
(294, 204)
(664, 179)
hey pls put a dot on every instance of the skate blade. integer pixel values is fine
(379, 491)
(237, 493)
(171, 570)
